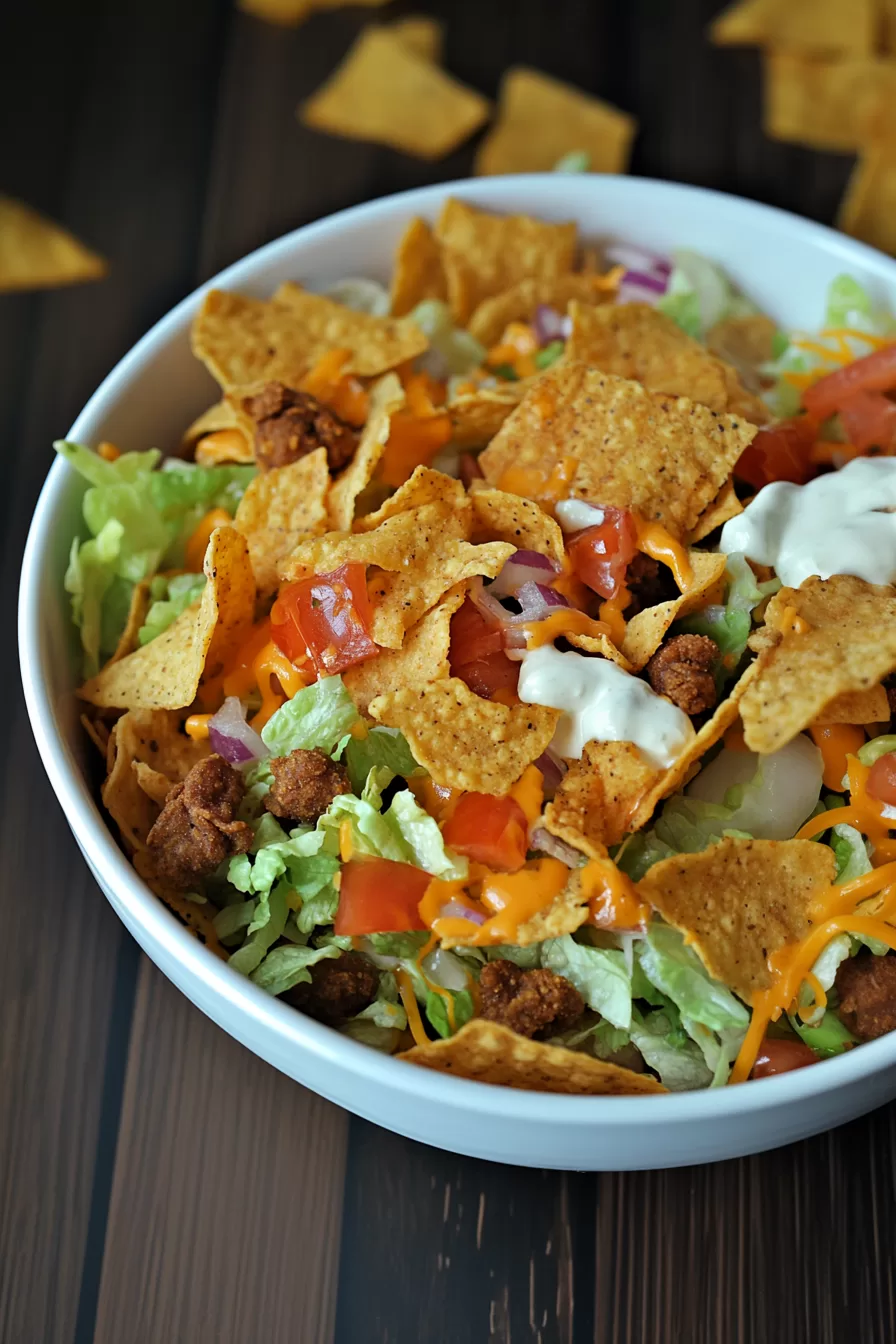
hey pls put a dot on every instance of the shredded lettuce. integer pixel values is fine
(319, 716)
(384, 748)
(877, 747)
(452, 350)
(668, 1050)
(381, 1022)
(699, 294)
(829, 1037)
(436, 1008)
(285, 967)
(599, 974)
(404, 833)
(576, 161)
(729, 624)
(170, 597)
(851, 853)
(679, 974)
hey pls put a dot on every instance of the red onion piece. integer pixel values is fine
(553, 768)
(488, 605)
(644, 280)
(537, 602)
(635, 258)
(548, 325)
(455, 910)
(558, 849)
(231, 737)
(521, 568)
(470, 469)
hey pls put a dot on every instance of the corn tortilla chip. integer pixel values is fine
(665, 458)
(593, 805)
(520, 301)
(222, 434)
(484, 254)
(850, 646)
(821, 26)
(725, 505)
(644, 633)
(857, 707)
(221, 415)
(385, 92)
(152, 739)
(745, 343)
(567, 912)
(278, 509)
(739, 901)
(424, 486)
(154, 784)
(499, 516)
(487, 1052)
(165, 673)
(195, 916)
(540, 119)
(477, 416)
(601, 644)
(421, 34)
(868, 208)
(127, 641)
(386, 397)
(98, 732)
(35, 253)
(465, 742)
(825, 104)
(417, 273)
(400, 599)
(422, 658)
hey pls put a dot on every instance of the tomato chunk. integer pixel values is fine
(869, 421)
(327, 618)
(600, 555)
(488, 830)
(379, 896)
(781, 1056)
(874, 373)
(781, 453)
(882, 779)
(477, 653)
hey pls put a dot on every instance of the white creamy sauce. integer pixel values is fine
(601, 703)
(830, 526)
(574, 514)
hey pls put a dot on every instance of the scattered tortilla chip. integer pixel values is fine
(519, 302)
(484, 254)
(386, 397)
(850, 646)
(421, 34)
(825, 104)
(221, 434)
(465, 742)
(644, 633)
(278, 509)
(165, 673)
(498, 516)
(540, 119)
(739, 901)
(725, 505)
(127, 641)
(417, 273)
(400, 599)
(35, 253)
(194, 915)
(487, 1052)
(665, 458)
(422, 658)
(601, 644)
(857, 707)
(594, 803)
(385, 92)
(821, 26)
(151, 738)
(477, 416)
(868, 208)
(290, 13)
(245, 341)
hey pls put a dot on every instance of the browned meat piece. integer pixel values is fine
(682, 669)
(289, 425)
(532, 1003)
(867, 988)
(305, 784)
(649, 582)
(340, 988)
(197, 828)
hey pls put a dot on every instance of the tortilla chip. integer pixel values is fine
(664, 458)
(386, 397)
(850, 646)
(196, 916)
(245, 341)
(127, 640)
(725, 505)
(98, 732)
(219, 416)
(601, 644)
(424, 486)
(520, 301)
(278, 509)
(465, 742)
(422, 658)
(821, 26)
(745, 343)
(739, 901)
(594, 802)
(154, 784)
(165, 673)
(400, 599)
(644, 633)
(857, 707)
(151, 738)
(868, 208)
(290, 13)
(487, 1052)
(383, 91)
(222, 434)
(824, 104)
(541, 119)
(35, 253)
(498, 516)
(484, 254)
(417, 273)
(477, 416)
(421, 34)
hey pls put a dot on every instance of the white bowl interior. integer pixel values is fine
(785, 264)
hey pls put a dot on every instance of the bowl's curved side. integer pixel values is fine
(147, 398)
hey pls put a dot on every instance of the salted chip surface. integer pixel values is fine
(476, 417)
(244, 341)
(541, 119)
(725, 505)
(422, 658)
(644, 633)
(665, 458)
(820, 26)
(466, 742)
(520, 301)
(850, 646)
(596, 799)
(383, 91)
(488, 1052)
(35, 253)
(500, 516)
(154, 740)
(868, 208)
(425, 485)
(278, 509)
(386, 397)
(400, 599)
(739, 901)
(484, 254)
(165, 674)
(857, 707)
(417, 273)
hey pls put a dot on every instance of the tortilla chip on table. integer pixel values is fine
(821, 27)
(35, 253)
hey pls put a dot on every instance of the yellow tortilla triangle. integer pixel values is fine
(35, 253)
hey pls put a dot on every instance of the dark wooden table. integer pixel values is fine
(158, 1183)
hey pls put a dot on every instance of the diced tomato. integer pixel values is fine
(781, 1056)
(869, 421)
(327, 617)
(379, 896)
(600, 555)
(882, 779)
(874, 373)
(470, 469)
(477, 653)
(488, 830)
(782, 452)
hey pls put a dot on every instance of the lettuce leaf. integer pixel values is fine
(170, 597)
(699, 294)
(385, 748)
(601, 976)
(317, 716)
(436, 1009)
(678, 973)
(829, 1037)
(381, 1023)
(452, 350)
(669, 1051)
(729, 624)
(285, 967)
(877, 747)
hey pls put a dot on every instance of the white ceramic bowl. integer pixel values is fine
(783, 262)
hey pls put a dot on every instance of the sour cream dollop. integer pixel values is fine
(833, 525)
(575, 514)
(601, 703)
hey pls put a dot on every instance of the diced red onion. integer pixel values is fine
(627, 293)
(522, 567)
(469, 469)
(644, 280)
(488, 605)
(635, 258)
(456, 910)
(553, 768)
(537, 602)
(231, 736)
(446, 970)
(548, 325)
(558, 849)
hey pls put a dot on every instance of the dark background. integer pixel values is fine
(157, 1183)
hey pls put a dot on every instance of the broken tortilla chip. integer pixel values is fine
(745, 343)
(541, 119)
(424, 486)
(664, 458)
(520, 301)
(856, 707)
(740, 901)
(153, 739)
(421, 34)
(35, 253)
(868, 208)
(383, 91)
(465, 742)
(422, 658)
(278, 509)
(165, 674)
(417, 273)
(127, 640)
(850, 646)
(484, 254)
(386, 397)
(196, 916)
(499, 516)
(645, 632)
(725, 505)
(593, 805)
(825, 104)
(477, 416)
(487, 1052)
(220, 435)
(820, 26)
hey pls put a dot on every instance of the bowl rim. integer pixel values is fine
(293, 1029)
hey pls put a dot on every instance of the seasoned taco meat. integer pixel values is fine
(197, 828)
(532, 1003)
(682, 669)
(290, 424)
(340, 988)
(305, 784)
(867, 988)
(648, 582)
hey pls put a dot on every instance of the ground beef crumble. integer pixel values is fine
(532, 1003)
(197, 828)
(305, 784)
(683, 669)
(867, 988)
(290, 424)
(340, 988)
